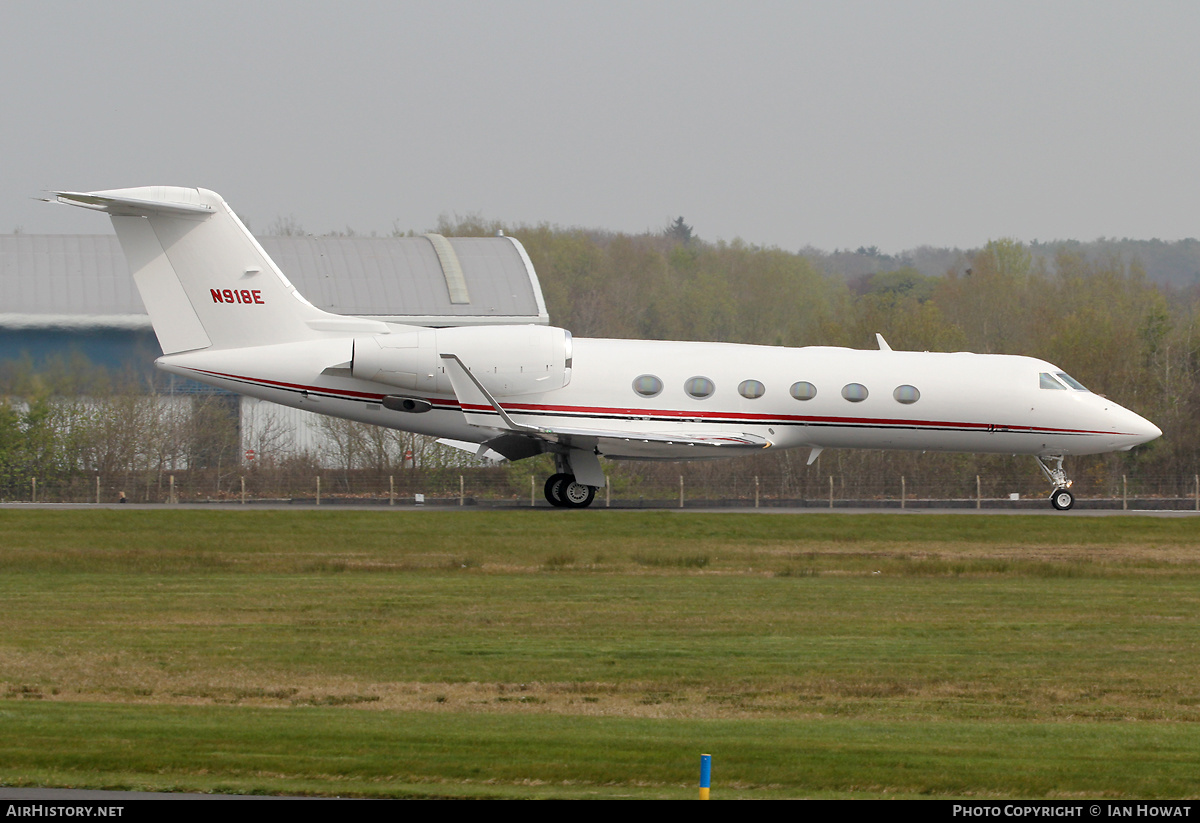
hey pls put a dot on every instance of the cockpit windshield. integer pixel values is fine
(1059, 380)
(1071, 381)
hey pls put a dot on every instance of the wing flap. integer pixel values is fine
(673, 446)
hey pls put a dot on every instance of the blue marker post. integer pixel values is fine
(705, 775)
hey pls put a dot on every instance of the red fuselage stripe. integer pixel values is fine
(631, 413)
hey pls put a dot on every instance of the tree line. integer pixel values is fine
(1087, 308)
(1093, 312)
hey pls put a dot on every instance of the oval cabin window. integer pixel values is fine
(699, 387)
(854, 392)
(803, 390)
(750, 389)
(648, 385)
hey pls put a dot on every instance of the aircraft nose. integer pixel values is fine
(1140, 429)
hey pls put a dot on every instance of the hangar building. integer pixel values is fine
(73, 294)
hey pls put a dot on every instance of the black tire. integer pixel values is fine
(576, 495)
(1062, 499)
(554, 487)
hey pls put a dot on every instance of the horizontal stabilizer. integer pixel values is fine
(175, 201)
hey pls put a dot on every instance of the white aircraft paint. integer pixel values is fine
(226, 315)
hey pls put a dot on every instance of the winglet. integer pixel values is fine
(883, 345)
(475, 400)
(814, 454)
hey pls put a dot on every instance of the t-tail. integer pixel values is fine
(205, 280)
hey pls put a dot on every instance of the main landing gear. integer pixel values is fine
(564, 491)
(1061, 498)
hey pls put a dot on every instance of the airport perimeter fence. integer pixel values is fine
(661, 488)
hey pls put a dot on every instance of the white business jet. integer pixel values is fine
(226, 315)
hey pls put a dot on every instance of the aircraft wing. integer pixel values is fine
(637, 445)
(516, 440)
(613, 444)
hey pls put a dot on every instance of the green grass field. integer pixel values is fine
(599, 653)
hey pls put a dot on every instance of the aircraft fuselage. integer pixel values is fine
(859, 398)
(518, 391)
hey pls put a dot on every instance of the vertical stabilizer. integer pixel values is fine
(175, 322)
(205, 280)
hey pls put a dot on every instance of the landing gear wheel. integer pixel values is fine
(554, 488)
(1062, 499)
(577, 495)
(562, 491)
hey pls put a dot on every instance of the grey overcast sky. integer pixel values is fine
(831, 124)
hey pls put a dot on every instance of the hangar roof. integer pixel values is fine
(83, 280)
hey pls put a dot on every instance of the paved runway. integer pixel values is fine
(916, 509)
(114, 798)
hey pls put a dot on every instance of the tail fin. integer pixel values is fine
(205, 280)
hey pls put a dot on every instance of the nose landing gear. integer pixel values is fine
(1061, 498)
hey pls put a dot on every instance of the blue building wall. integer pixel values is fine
(117, 350)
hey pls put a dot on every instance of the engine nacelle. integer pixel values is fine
(507, 360)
